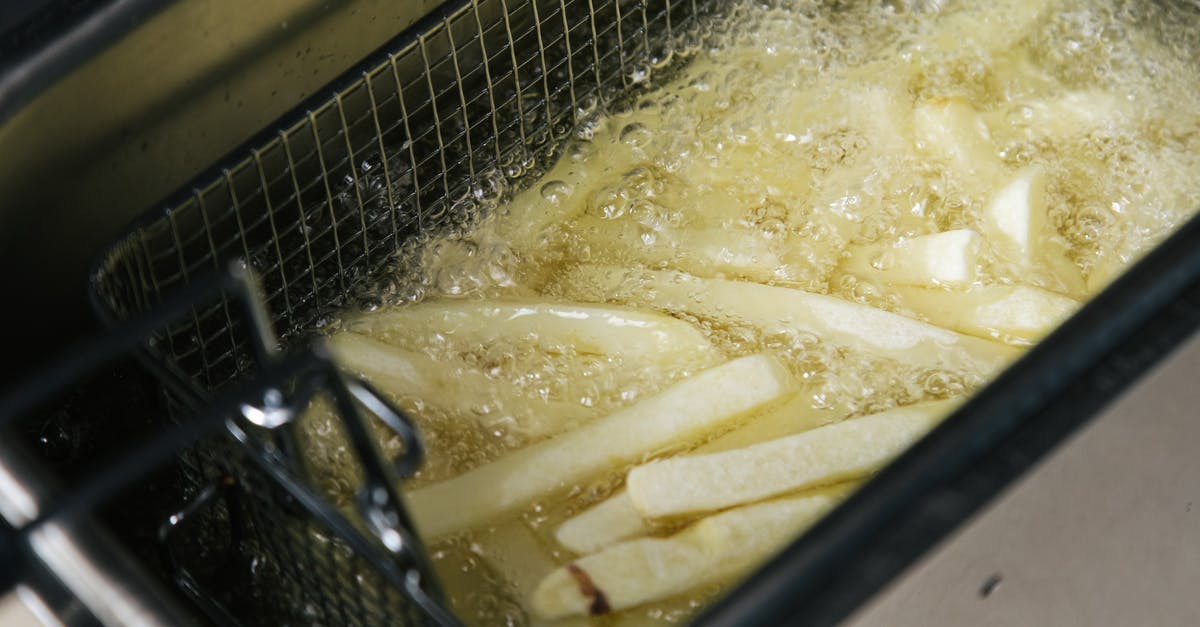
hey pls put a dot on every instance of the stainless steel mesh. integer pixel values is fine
(320, 207)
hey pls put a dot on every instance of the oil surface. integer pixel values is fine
(790, 139)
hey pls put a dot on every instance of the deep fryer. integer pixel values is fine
(467, 103)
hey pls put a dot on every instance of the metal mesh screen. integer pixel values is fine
(321, 208)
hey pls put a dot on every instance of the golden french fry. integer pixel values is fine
(712, 550)
(844, 450)
(672, 419)
(783, 310)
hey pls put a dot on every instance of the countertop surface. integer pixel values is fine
(1105, 531)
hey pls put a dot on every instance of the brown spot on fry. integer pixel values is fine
(588, 588)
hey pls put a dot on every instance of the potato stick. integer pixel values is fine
(515, 551)
(1014, 221)
(610, 521)
(1017, 314)
(644, 337)
(616, 519)
(783, 310)
(995, 26)
(950, 258)
(734, 252)
(712, 550)
(679, 415)
(1016, 215)
(952, 132)
(851, 448)
(1072, 114)
(450, 385)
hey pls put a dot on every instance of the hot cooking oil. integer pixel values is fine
(797, 133)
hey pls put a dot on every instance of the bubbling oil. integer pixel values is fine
(786, 139)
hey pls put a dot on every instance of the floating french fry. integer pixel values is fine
(712, 550)
(783, 310)
(844, 450)
(672, 419)
(616, 519)
(1017, 314)
(642, 337)
(950, 259)
(452, 386)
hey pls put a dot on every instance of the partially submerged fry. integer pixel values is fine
(703, 251)
(553, 326)
(451, 386)
(669, 420)
(852, 448)
(1017, 314)
(648, 569)
(783, 310)
(950, 259)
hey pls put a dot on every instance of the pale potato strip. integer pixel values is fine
(712, 550)
(612, 520)
(645, 337)
(848, 449)
(949, 258)
(1017, 314)
(451, 385)
(782, 310)
(673, 418)
(735, 252)
(616, 519)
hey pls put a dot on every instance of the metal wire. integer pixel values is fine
(320, 208)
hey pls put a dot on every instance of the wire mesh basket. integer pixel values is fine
(477, 97)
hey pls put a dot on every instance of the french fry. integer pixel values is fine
(990, 27)
(952, 132)
(616, 519)
(950, 259)
(610, 521)
(783, 310)
(1016, 215)
(451, 385)
(644, 337)
(844, 450)
(1071, 114)
(712, 550)
(677, 416)
(734, 252)
(1014, 221)
(1017, 314)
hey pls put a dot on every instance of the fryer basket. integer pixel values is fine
(469, 104)
(473, 100)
